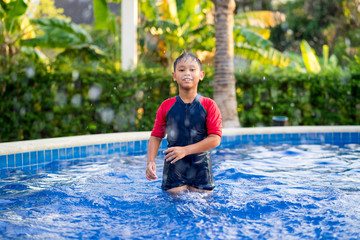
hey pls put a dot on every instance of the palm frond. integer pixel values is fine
(265, 56)
(242, 34)
(263, 19)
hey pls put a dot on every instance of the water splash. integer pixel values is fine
(61, 98)
(75, 75)
(95, 92)
(139, 95)
(76, 100)
(30, 72)
(107, 115)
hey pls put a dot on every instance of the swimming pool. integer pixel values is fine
(301, 184)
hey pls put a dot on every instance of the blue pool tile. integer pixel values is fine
(345, 135)
(273, 138)
(48, 157)
(164, 144)
(137, 146)
(110, 148)
(90, 150)
(83, 151)
(41, 157)
(130, 147)
(117, 147)
(345, 138)
(337, 138)
(266, 139)
(144, 146)
(123, 148)
(311, 136)
(245, 139)
(295, 138)
(303, 138)
(69, 153)
(280, 138)
(328, 138)
(3, 162)
(62, 153)
(33, 158)
(18, 160)
(238, 140)
(288, 138)
(231, 139)
(354, 137)
(103, 149)
(97, 149)
(26, 159)
(55, 154)
(258, 139)
(76, 152)
(224, 141)
(11, 161)
(252, 139)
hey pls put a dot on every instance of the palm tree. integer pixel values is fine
(224, 78)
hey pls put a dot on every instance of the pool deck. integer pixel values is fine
(85, 140)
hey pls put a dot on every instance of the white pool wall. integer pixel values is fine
(85, 140)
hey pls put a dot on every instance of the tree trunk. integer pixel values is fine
(224, 79)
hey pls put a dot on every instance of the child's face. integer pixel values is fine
(188, 74)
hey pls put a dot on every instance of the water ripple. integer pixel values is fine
(282, 192)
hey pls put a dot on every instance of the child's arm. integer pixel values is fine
(174, 154)
(153, 148)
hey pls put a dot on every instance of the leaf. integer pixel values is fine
(325, 55)
(102, 14)
(265, 56)
(16, 9)
(190, 13)
(164, 25)
(263, 19)
(58, 33)
(310, 59)
(242, 34)
(149, 8)
(168, 10)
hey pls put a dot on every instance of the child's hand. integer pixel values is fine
(151, 171)
(174, 154)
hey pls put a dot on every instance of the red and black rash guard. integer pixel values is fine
(187, 123)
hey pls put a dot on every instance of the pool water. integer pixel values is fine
(278, 192)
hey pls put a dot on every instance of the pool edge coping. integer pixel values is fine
(85, 140)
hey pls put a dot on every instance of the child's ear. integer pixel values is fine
(202, 75)
(174, 76)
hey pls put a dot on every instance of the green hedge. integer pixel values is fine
(65, 104)
(306, 99)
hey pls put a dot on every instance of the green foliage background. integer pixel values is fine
(44, 105)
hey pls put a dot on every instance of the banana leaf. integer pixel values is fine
(58, 33)
(101, 14)
(242, 34)
(265, 56)
(263, 19)
(310, 59)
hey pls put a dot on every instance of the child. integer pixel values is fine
(193, 126)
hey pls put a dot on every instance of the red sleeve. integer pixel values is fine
(159, 128)
(213, 118)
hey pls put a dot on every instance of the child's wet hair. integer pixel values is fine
(186, 55)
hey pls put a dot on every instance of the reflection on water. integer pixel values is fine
(282, 192)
